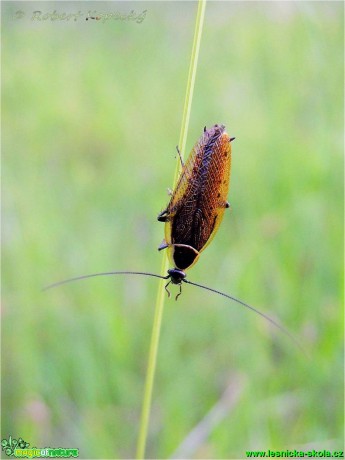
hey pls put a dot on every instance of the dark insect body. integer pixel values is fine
(194, 213)
(197, 204)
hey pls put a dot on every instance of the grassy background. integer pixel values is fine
(91, 117)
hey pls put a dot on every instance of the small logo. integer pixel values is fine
(18, 448)
(9, 445)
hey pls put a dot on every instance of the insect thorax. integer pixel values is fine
(176, 275)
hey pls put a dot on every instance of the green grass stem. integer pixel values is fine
(151, 367)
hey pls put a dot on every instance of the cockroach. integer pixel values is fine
(198, 202)
(194, 213)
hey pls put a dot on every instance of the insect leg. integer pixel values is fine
(163, 245)
(180, 292)
(224, 204)
(179, 154)
(166, 288)
(162, 217)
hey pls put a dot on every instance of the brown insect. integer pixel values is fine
(198, 202)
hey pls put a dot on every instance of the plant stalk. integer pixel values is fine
(151, 367)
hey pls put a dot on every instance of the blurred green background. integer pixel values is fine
(91, 117)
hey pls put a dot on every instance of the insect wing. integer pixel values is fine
(214, 195)
(198, 202)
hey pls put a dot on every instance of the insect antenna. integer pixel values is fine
(83, 277)
(263, 315)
